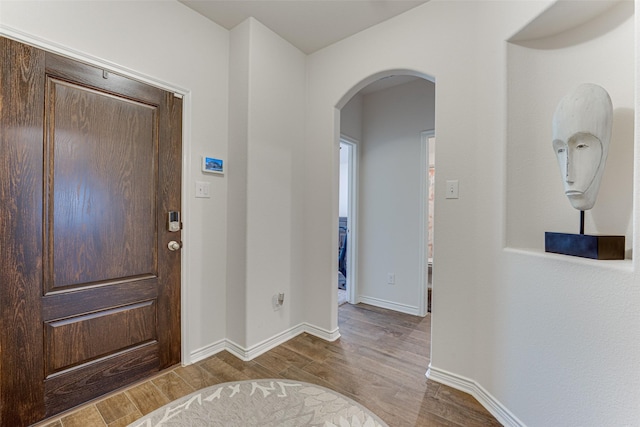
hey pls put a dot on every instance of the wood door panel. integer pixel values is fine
(68, 304)
(21, 135)
(170, 178)
(67, 69)
(90, 164)
(84, 383)
(81, 339)
(102, 169)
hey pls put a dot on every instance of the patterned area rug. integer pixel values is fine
(273, 402)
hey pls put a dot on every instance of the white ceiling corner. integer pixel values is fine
(564, 15)
(309, 25)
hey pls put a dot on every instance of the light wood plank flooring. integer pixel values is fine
(380, 361)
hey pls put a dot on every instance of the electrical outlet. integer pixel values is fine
(277, 301)
(391, 278)
(452, 189)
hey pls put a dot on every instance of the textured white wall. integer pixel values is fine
(350, 127)
(421, 41)
(180, 47)
(574, 317)
(540, 73)
(239, 42)
(275, 135)
(344, 188)
(266, 130)
(351, 118)
(553, 339)
(391, 160)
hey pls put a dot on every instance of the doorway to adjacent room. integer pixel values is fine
(346, 221)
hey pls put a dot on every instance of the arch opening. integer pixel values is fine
(395, 83)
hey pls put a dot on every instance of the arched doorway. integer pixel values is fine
(387, 115)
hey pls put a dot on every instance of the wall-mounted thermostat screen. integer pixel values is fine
(211, 165)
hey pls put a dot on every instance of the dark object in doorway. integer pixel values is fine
(342, 256)
(342, 253)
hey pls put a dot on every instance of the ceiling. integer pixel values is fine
(565, 15)
(309, 25)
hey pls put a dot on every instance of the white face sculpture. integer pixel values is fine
(581, 133)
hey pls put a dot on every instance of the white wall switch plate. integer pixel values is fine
(202, 190)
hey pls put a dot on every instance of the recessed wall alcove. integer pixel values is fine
(568, 44)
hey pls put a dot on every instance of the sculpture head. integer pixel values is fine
(581, 134)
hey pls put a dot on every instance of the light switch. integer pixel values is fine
(452, 189)
(202, 190)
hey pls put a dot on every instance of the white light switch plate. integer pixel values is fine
(202, 190)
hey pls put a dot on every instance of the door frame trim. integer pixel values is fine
(352, 221)
(424, 219)
(80, 56)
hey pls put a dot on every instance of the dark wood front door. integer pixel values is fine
(90, 166)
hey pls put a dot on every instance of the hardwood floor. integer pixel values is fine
(380, 361)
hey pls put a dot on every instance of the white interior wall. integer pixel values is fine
(343, 204)
(351, 128)
(581, 308)
(351, 118)
(237, 165)
(175, 45)
(552, 339)
(275, 131)
(391, 162)
(536, 200)
(422, 42)
(549, 338)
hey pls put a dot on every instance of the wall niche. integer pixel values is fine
(568, 44)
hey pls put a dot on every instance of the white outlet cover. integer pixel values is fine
(452, 189)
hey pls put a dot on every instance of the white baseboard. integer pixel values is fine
(321, 333)
(247, 354)
(266, 345)
(402, 308)
(491, 404)
(204, 352)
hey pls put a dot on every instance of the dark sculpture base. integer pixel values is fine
(584, 245)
